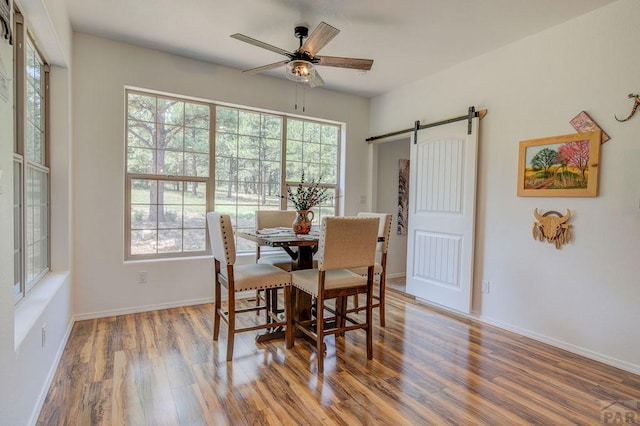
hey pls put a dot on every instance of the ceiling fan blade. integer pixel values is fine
(319, 38)
(265, 67)
(336, 61)
(316, 80)
(261, 44)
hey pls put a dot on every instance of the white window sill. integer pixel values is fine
(28, 311)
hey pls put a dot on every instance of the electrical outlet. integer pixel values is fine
(142, 277)
(485, 286)
(44, 334)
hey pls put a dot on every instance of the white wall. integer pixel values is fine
(585, 296)
(26, 365)
(104, 283)
(387, 155)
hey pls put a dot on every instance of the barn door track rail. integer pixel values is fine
(417, 126)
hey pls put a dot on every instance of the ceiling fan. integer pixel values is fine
(300, 65)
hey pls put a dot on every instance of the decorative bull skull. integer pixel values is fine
(552, 228)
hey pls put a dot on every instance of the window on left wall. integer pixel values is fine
(30, 164)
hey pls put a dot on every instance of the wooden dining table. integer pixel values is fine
(306, 244)
(301, 248)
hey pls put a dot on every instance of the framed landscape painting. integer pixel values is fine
(560, 166)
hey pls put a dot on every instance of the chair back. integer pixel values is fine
(347, 242)
(274, 218)
(223, 245)
(384, 229)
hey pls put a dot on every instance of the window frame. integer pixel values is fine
(184, 179)
(211, 180)
(25, 42)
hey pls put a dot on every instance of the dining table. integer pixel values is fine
(301, 248)
(306, 244)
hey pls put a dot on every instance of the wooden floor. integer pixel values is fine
(162, 368)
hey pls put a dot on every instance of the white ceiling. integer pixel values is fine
(407, 39)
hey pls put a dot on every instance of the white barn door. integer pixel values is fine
(442, 199)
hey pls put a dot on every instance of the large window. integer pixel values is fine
(179, 166)
(168, 173)
(31, 171)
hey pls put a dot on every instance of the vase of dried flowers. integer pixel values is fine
(303, 198)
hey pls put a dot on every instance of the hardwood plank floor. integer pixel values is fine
(162, 368)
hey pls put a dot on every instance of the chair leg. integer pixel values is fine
(291, 321)
(341, 312)
(370, 319)
(274, 303)
(383, 291)
(267, 300)
(217, 309)
(232, 326)
(258, 301)
(288, 331)
(320, 332)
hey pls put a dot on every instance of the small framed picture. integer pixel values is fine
(559, 166)
(584, 123)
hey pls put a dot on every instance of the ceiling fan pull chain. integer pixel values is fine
(304, 101)
(296, 101)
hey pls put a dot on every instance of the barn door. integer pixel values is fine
(442, 191)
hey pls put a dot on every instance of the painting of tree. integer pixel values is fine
(575, 154)
(560, 165)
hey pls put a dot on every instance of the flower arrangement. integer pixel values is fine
(305, 197)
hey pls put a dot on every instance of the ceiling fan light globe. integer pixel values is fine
(299, 71)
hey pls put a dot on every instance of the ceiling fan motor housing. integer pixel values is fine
(301, 32)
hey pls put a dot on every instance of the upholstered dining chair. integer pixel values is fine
(380, 270)
(241, 278)
(345, 242)
(278, 258)
(275, 219)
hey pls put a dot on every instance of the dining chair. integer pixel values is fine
(345, 242)
(380, 269)
(238, 278)
(278, 258)
(274, 219)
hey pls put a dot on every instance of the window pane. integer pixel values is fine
(226, 120)
(196, 140)
(36, 225)
(142, 134)
(170, 111)
(174, 138)
(197, 115)
(140, 160)
(144, 242)
(195, 240)
(141, 107)
(18, 287)
(33, 106)
(170, 163)
(169, 241)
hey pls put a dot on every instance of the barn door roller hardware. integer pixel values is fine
(417, 126)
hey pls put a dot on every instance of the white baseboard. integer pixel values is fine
(613, 362)
(52, 372)
(398, 275)
(138, 309)
(578, 350)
